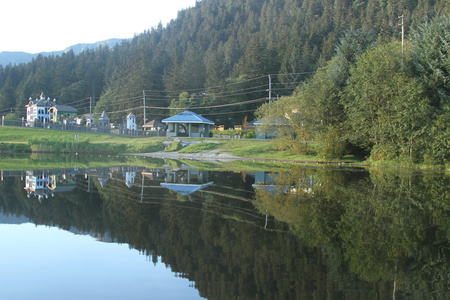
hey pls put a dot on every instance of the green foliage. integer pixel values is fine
(14, 148)
(431, 58)
(332, 144)
(384, 105)
(12, 116)
(431, 62)
(243, 133)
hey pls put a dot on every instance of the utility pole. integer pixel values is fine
(90, 105)
(270, 89)
(403, 36)
(145, 119)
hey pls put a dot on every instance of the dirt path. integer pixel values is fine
(203, 155)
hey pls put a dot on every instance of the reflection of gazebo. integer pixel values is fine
(187, 123)
(186, 182)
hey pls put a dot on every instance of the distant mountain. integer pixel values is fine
(12, 219)
(16, 57)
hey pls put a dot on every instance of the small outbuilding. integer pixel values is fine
(103, 121)
(131, 122)
(188, 124)
(154, 125)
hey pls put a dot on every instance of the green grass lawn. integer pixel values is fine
(23, 135)
(44, 140)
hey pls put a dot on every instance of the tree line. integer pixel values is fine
(375, 99)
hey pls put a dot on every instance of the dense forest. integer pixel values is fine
(224, 59)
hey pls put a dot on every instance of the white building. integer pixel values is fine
(38, 110)
(131, 122)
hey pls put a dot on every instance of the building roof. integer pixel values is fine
(276, 121)
(104, 116)
(185, 189)
(65, 108)
(154, 123)
(188, 117)
(131, 115)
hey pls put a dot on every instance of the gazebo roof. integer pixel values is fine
(188, 117)
(185, 189)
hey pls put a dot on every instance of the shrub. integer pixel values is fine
(384, 152)
(332, 145)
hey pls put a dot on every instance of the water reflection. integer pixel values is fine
(43, 183)
(308, 233)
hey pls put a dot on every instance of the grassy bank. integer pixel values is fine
(16, 139)
(30, 140)
(25, 140)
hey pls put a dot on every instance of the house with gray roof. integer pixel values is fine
(60, 114)
(47, 111)
(103, 120)
(38, 110)
(187, 124)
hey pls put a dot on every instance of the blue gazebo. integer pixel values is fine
(188, 124)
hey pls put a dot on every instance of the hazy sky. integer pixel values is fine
(50, 25)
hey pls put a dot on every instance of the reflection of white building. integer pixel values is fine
(42, 185)
(129, 178)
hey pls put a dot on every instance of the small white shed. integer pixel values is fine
(131, 122)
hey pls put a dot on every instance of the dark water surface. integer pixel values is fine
(141, 233)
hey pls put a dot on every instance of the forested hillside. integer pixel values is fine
(215, 58)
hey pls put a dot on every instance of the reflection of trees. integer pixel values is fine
(390, 226)
(369, 223)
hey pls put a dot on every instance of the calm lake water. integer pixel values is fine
(184, 233)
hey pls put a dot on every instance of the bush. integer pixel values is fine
(332, 145)
(246, 134)
(384, 152)
(14, 148)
